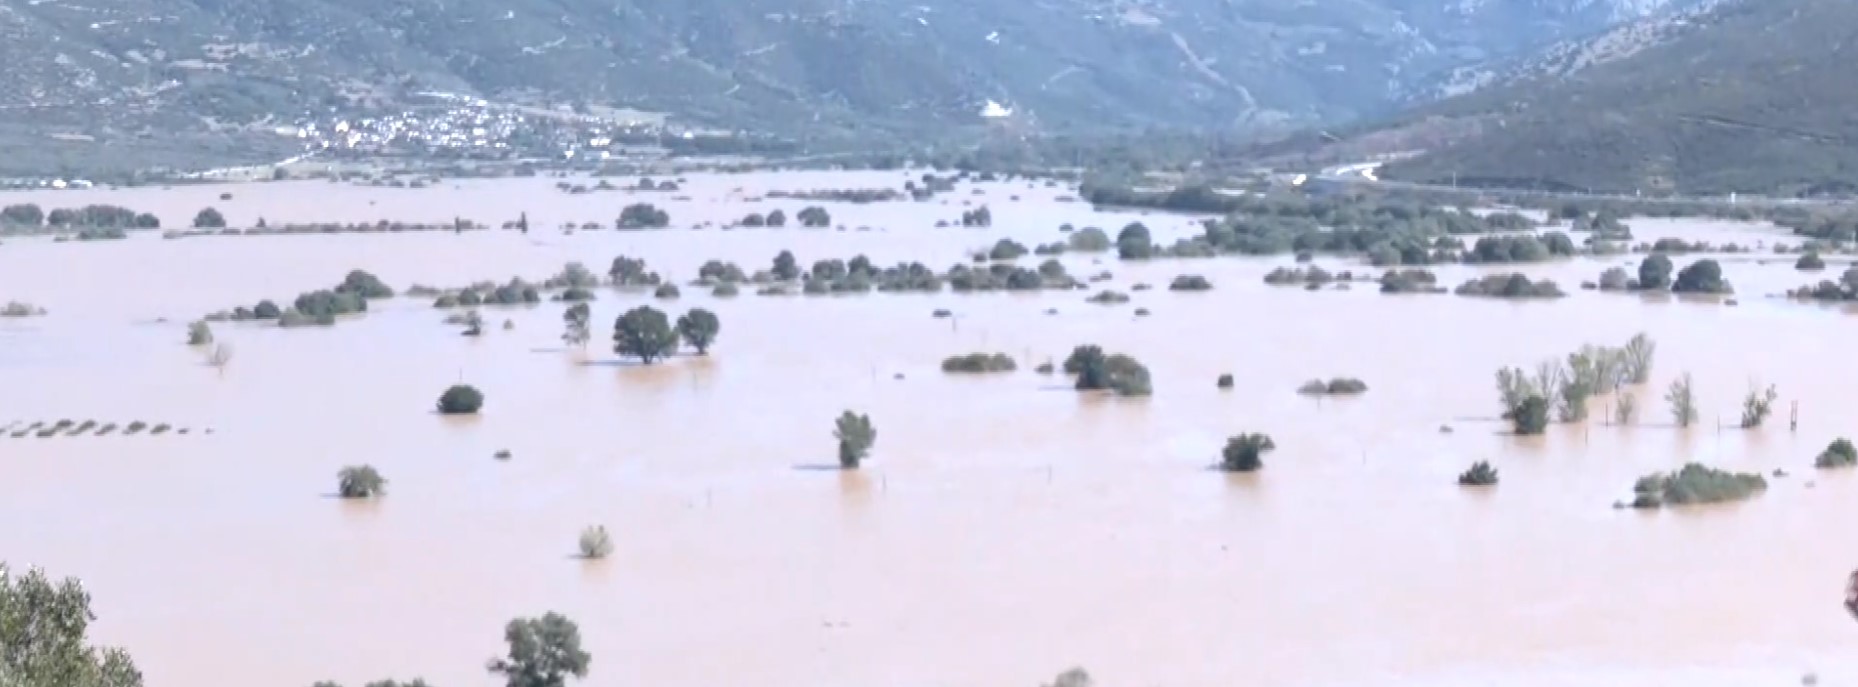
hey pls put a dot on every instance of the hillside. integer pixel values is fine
(1753, 96)
(176, 76)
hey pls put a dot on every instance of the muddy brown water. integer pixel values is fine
(1006, 527)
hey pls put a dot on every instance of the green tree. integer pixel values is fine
(699, 328)
(199, 334)
(786, 268)
(1531, 416)
(1655, 272)
(1639, 354)
(628, 271)
(1757, 406)
(643, 216)
(814, 216)
(1683, 400)
(1134, 242)
(1839, 454)
(42, 636)
(644, 333)
(1702, 276)
(544, 652)
(575, 320)
(461, 399)
(777, 219)
(856, 436)
(360, 482)
(24, 215)
(1090, 240)
(209, 219)
(1481, 474)
(1245, 452)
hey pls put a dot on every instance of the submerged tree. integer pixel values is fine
(576, 320)
(644, 333)
(699, 328)
(199, 334)
(544, 652)
(1245, 452)
(1639, 353)
(360, 482)
(1757, 406)
(1531, 416)
(856, 436)
(595, 543)
(42, 636)
(1481, 474)
(1683, 400)
(1625, 409)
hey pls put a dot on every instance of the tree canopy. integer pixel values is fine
(43, 624)
(699, 328)
(543, 652)
(644, 333)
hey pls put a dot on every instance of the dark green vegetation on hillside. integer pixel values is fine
(1754, 97)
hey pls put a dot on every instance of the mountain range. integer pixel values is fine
(96, 81)
(1748, 96)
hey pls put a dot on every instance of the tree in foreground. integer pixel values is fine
(360, 482)
(461, 399)
(644, 333)
(1245, 452)
(699, 328)
(544, 652)
(42, 636)
(856, 436)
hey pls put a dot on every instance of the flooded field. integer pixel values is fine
(1006, 526)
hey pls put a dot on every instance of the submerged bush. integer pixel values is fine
(1480, 475)
(360, 482)
(1695, 484)
(461, 399)
(1341, 386)
(979, 362)
(1810, 261)
(1190, 282)
(856, 436)
(596, 543)
(1096, 370)
(1108, 297)
(1509, 286)
(1245, 452)
(1225, 381)
(1839, 454)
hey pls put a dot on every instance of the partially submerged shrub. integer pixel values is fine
(199, 334)
(1340, 386)
(1839, 454)
(979, 362)
(1695, 484)
(360, 482)
(461, 399)
(1480, 475)
(1108, 297)
(1190, 282)
(856, 435)
(1509, 286)
(1225, 381)
(1245, 452)
(666, 291)
(1096, 370)
(596, 543)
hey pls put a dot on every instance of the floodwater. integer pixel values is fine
(1006, 527)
